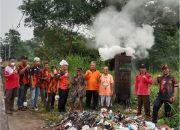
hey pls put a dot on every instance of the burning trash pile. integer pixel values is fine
(104, 120)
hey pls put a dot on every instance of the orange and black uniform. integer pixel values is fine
(167, 84)
(63, 91)
(24, 77)
(166, 90)
(24, 84)
(92, 78)
(45, 78)
(35, 76)
(51, 91)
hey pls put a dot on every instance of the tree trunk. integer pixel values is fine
(70, 43)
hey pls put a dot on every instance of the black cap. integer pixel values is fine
(165, 66)
(53, 66)
(142, 66)
(12, 58)
(24, 58)
(79, 69)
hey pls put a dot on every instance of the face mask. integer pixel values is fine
(12, 63)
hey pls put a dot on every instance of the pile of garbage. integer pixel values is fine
(103, 120)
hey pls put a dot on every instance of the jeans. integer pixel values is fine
(92, 94)
(26, 87)
(34, 93)
(20, 96)
(157, 104)
(22, 91)
(63, 95)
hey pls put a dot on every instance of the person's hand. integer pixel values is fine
(66, 74)
(76, 79)
(28, 66)
(144, 77)
(88, 72)
(173, 99)
(15, 71)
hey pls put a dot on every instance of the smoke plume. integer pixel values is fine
(116, 32)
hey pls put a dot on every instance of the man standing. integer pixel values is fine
(167, 93)
(45, 78)
(63, 86)
(143, 81)
(35, 74)
(106, 89)
(52, 89)
(11, 85)
(92, 77)
(23, 71)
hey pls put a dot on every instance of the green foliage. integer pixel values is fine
(13, 46)
(65, 15)
(45, 13)
(173, 121)
(75, 61)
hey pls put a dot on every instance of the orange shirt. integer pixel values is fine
(52, 87)
(92, 78)
(64, 81)
(105, 88)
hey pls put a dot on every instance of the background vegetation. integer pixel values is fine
(54, 22)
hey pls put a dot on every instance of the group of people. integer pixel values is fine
(95, 86)
(167, 92)
(48, 81)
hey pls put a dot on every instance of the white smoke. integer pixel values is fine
(117, 32)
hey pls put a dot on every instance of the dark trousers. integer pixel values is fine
(157, 104)
(144, 100)
(53, 100)
(92, 95)
(63, 95)
(9, 100)
(43, 94)
(50, 101)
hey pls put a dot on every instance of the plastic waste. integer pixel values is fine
(150, 125)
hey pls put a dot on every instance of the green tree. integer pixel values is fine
(64, 14)
(14, 44)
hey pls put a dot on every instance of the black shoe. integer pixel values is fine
(31, 108)
(22, 109)
(13, 110)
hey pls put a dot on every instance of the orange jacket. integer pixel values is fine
(92, 78)
(64, 81)
(44, 82)
(52, 87)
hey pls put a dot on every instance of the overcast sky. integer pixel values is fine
(10, 17)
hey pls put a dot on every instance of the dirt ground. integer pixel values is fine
(20, 120)
(25, 120)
